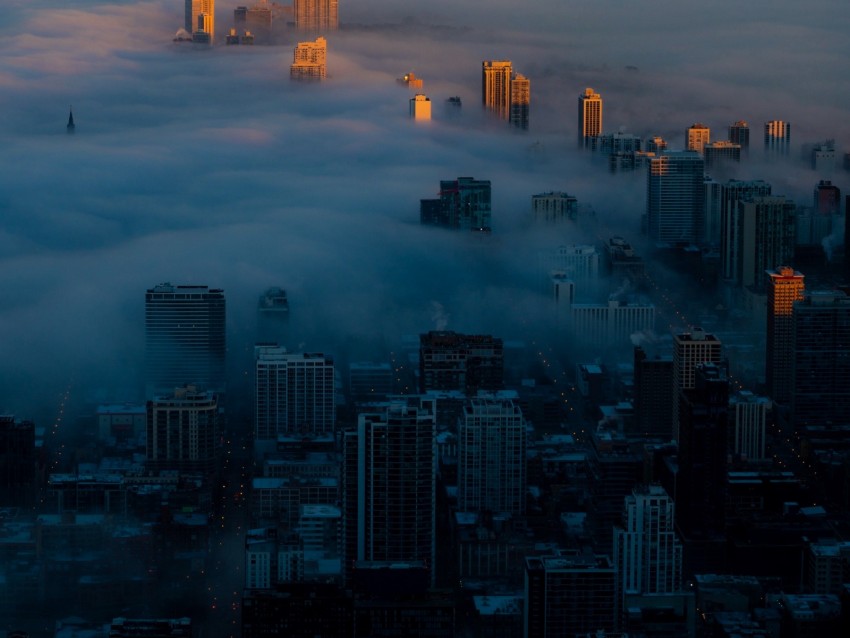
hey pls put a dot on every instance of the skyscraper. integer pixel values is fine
(464, 204)
(821, 376)
(689, 350)
(749, 420)
(675, 203)
(827, 198)
(767, 238)
(184, 338)
(316, 15)
(784, 287)
(520, 101)
(388, 489)
(653, 393)
(777, 137)
(294, 393)
(554, 207)
(309, 61)
(721, 154)
(739, 133)
(496, 86)
(731, 221)
(200, 16)
(420, 108)
(697, 135)
(466, 363)
(589, 117)
(491, 457)
(647, 551)
(182, 430)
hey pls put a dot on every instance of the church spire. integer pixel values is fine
(70, 128)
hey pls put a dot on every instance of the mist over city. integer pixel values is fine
(140, 149)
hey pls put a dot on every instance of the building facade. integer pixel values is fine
(496, 86)
(464, 204)
(589, 117)
(420, 108)
(675, 205)
(317, 16)
(785, 286)
(553, 208)
(689, 350)
(520, 101)
(309, 61)
(777, 137)
(466, 363)
(724, 198)
(183, 430)
(697, 136)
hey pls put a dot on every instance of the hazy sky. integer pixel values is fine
(210, 167)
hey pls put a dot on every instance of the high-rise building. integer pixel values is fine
(784, 287)
(579, 262)
(520, 101)
(466, 363)
(294, 393)
(697, 136)
(656, 144)
(317, 16)
(689, 350)
(388, 488)
(570, 594)
(823, 157)
(675, 204)
(739, 133)
(721, 154)
(554, 207)
(724, 203)
(496, 86)
(17, 462)
(589, 117)
(464, 204)
(777, 137)
(653, 393)
(309, 61)
(821, 376)
(184, 338)
(827, 198)
(767, 238)
(611, 324)
(749, 422)
(701, 483)
(647, 551)
(183, 430)
(200, 16)
(491, 457)
(420, 108)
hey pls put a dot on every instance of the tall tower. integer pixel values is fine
(827, 198)
(749, 419)
(309, 61)
(731, 223)
(491, 457)
(689, 350)
(464, 204)
(317, 16)
(388, 493)
(784, 287)
(294, 393)
(70, 126)
(589, 117)
(200, 16)
(675, 201)
(646, 549)
(496, 86)
(420, 108)
(768, 233)
(520, 101)
(739, 133)
(182, 430)
(777, 137)
(184, 338)
(697, 135)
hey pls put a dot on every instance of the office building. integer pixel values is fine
(17, 462)
(656, 144)
(553, 208)
(722, 200)
(767, 238)
(466, 363)
(184, 338)
(317, 16)
(570, 594)
(675, 204)
(520, 101)
(703, 436)
(255, 21)
(785, 286)
(294, 393)
(464, 204)
(610, 325)
(578, 262)
(739, 133)
(589, 117)
(183, 430)
(491, 457)
(749, 425)
(821, 368)
(496, 87)
(200, 16)
(647, 552)
(689, 350)
(777, 137)
(697, 136)
(823, 157)
(309, 61)
(420, 108)
(388, 487)
(827, 198)
(653, 393)
(721, 155)
(615, 143)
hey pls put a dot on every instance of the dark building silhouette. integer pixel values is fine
(827, 198)
(466, 363)
(299, 610)
(71, 127)
(784, 287)
(272, 315)
(653, 393)
(150, 628)
(464, 204)
(739, 133)
(17, 462)
(183, 430)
